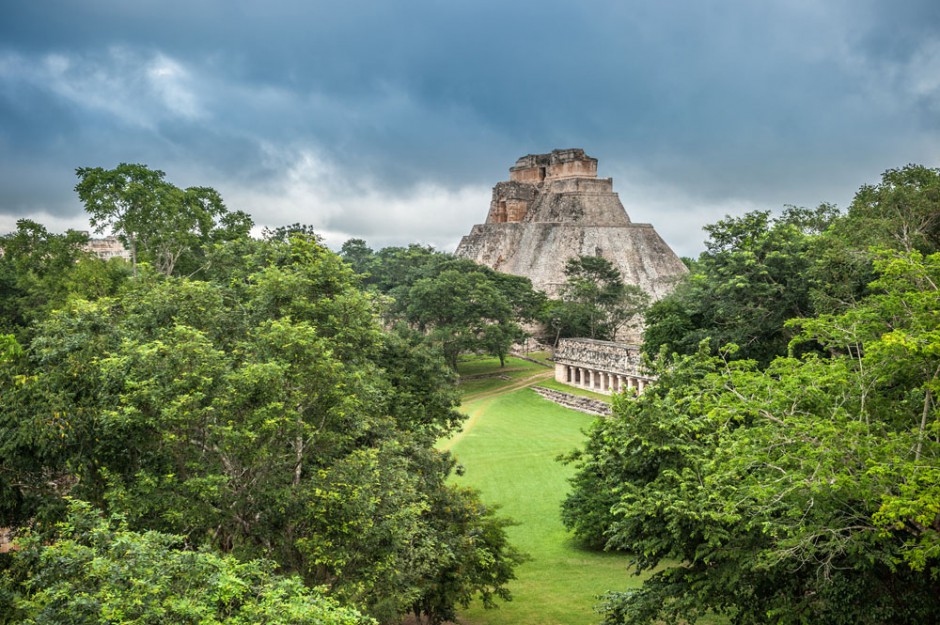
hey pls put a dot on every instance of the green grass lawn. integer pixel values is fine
(508, 449)
(471, 372)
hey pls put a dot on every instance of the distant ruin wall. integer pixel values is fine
(607, 356)
(600, 366)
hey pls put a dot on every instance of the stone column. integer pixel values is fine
(561, 372)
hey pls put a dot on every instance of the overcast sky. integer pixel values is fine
(392, 120)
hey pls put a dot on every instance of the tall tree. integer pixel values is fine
(122, 200)
(595, 302)
(156, 220)
(463, 311)
(756, 272)
(901, 212)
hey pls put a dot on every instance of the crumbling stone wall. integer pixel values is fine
(511, 202)
(575, 402)
(536, 168)
(608, 356)
(600, 366)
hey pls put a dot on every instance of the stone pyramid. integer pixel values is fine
(553, 208)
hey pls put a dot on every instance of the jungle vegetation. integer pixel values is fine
(785, 468)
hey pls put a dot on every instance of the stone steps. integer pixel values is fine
(575, 402)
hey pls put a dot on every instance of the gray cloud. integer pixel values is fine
(391, 121)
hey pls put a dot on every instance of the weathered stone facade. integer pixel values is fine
(554, 208)
(600, 366)
(107, 248)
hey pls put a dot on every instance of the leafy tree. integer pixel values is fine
(901, 212)
(755, 274)
(463, 311)
(394, 270)
(800, 493)
(358, 255)
(156, 220)
(92, 570)
(457, 304)
(267, 414)
(40, 270)
(595, 301)
(122, 200)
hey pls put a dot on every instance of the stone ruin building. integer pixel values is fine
(600, 366)
(553, 208)
(107, 248)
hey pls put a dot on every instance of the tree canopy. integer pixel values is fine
(92, 570)
(595, 302)
(791, 479)
(257, 409)
(460, 306)
(156, 220)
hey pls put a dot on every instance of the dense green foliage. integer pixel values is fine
(755, 273)
(40, 271)
(458, 305)
(157, 221)
(799, 483)
(260, 411)
(92, 570)
(595, 302)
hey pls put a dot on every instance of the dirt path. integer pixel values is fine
(512, 386)
(474, 414)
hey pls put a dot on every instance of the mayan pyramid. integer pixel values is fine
(553, 208)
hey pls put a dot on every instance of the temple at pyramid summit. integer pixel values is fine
(553, 208)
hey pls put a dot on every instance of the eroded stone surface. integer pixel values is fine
(608, 356)
(581, 404)
(600, 366)
(554, 208)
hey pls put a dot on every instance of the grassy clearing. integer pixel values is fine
(472, 372)
(508, 450)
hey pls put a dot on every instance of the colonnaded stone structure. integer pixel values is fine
(554, 208)
(600, 366)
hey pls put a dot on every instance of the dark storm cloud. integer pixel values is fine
(376, 119)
